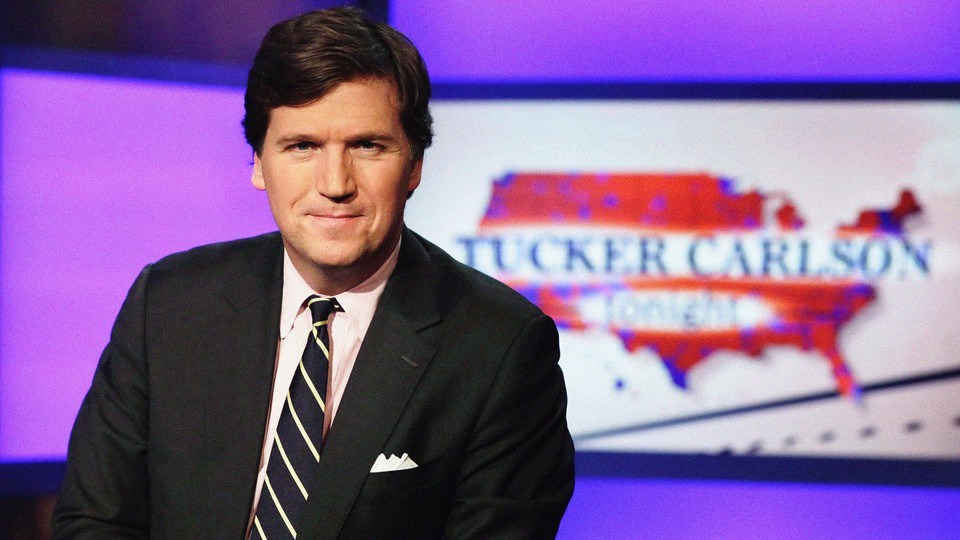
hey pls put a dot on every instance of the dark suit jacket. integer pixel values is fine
(456, 370)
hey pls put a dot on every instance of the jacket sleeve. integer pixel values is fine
(518, 476)
(105, 492)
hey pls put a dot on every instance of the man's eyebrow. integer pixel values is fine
(294, 138)
(372, 136)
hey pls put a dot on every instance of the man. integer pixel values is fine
(439, 410)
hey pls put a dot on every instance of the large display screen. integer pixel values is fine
(733, 277)
(753, 277)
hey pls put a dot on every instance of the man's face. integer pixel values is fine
(337, 172)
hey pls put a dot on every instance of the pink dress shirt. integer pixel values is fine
(347, 329)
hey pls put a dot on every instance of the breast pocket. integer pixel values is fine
(411, 503)
(425, 475)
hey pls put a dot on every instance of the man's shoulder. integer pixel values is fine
(258, 258)
(221, 254)
(458, 282)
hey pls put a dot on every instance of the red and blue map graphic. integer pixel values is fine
(685, 265)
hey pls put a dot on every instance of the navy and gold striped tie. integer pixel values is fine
(296, 446)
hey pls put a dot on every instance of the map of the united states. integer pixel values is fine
(685, 265)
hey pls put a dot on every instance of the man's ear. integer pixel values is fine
(413, 180)
(257, 177)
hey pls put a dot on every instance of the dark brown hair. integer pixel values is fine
(301, 59)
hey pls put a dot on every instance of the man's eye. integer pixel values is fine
(369, 146)
(301, 146)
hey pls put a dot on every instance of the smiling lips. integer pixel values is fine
(332, 211)
(334, 216)
(333, 219)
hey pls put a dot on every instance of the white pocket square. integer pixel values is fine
(392, 463)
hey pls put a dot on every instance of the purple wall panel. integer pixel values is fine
(99, 177)
(679, 40)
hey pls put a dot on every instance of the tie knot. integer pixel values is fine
(321, 308)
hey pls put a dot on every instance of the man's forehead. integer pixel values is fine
(359, 104)
(357, 109)
(370, 81)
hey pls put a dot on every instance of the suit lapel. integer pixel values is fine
(237, 393)
(391, 361)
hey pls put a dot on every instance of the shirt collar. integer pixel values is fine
(359, 303)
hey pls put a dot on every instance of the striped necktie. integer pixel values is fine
(296, 446)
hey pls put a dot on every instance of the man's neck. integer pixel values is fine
(331, 281)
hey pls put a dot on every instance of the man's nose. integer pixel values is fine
(334, 175)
